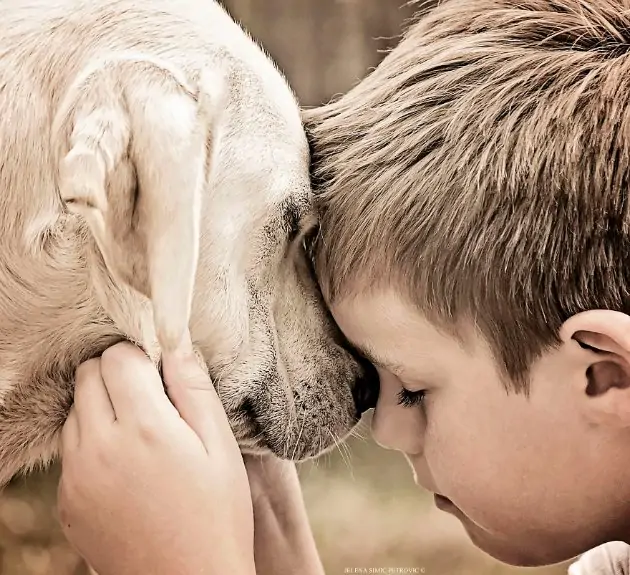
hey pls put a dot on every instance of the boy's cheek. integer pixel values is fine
(479, 477)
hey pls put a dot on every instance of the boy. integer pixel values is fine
(473, 246)
(474, 238)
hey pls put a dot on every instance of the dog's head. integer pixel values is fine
(258, 315)
(197, 193)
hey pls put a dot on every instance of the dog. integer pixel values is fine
(154, 178)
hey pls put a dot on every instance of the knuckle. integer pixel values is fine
(149, 430)
(103, 449)
(124, 362)
(104, 458)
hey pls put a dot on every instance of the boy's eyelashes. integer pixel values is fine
(410, 398)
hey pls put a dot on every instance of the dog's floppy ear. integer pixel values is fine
(138, 145)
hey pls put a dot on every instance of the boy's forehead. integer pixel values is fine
(391, 333)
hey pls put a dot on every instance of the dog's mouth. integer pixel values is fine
(258, 435)
(247, 430)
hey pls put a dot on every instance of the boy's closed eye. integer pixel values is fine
(409, 398)
(406, 397)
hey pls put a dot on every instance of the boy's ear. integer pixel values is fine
(604, 339)
(133, 163)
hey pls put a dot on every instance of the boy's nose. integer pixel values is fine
(398, 430)
(396, 426)
(366, 388)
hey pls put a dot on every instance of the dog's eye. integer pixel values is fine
(291, 215)
(292, 222)
(309, 239)
(297, 218)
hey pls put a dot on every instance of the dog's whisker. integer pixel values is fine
(344, 456)
(343, 446)
(297, 441)
(293, 418)
(348, 452)
(356, 433)
(325, 457)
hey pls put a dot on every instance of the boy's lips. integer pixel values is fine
(445, 504)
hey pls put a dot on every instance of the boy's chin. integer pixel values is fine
(516, 552)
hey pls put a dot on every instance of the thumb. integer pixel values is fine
(191, 391)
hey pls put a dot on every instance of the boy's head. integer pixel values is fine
(475, 242)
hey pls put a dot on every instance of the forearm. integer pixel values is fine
(283, 540)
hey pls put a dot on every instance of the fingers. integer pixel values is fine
(92, 409)
(70, 432)
(124, 385)
(91, 400)
(191, 391)
(133, 384)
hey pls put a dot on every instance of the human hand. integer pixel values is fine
(148, 485)
(609, 559)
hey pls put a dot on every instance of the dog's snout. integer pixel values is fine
(366, 388)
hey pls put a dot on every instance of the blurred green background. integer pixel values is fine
(364, 508)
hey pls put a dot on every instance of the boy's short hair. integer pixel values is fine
(483, 170)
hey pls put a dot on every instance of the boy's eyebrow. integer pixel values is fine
(379, 361)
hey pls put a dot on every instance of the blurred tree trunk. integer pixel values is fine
(323, 46)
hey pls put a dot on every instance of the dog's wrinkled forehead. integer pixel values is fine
(258, 207)
(282, 195)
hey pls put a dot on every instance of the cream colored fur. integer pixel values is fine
(154, 177)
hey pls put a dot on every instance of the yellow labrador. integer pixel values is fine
(154, 177)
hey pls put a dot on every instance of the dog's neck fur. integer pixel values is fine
(67, 307)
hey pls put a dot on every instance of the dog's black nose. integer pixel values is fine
(366, 389)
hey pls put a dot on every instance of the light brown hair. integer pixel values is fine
(483, 169)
